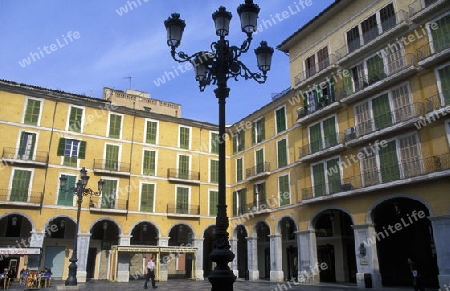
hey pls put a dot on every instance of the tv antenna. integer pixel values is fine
(129, 77)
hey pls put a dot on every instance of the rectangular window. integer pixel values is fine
(323, 59)
(239, 170)
(109, 194)
(381, 112)
(183, 167)
(369, 168)
(75, 119)
(112, 157)
(184, 137)
(441, 35)
(323, 135)
(364, 121)
(285, 193)
(280, 117)
(213, 201)
(26, 146)
(150, 136)
(444, 78)
(326, 178)
(353, 39)
(66, 194)
(20, 185)
(282, 153)
(258, 131)
(149, 163)
(259, 195)
(182, 200)
(389, 163)
(410, 156)
(310, 66)
(369, 29)
(32, 112)
(240, 202)
(147, 197)
(403, 107)
(71, 150)
(115, 123)
(259, 161)
(214, 171)
(215, 143)
(375, 68)
(315, 138)
(395, 60)
(387, 17)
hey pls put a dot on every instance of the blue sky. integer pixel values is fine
(96, 44)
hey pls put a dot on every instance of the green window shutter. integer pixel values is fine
(235, 210)
(147, 197)
(32, 112)
(334, 176)
(440, 35)
(82, 150)
(109, 194)
(348, 83)
(375, 66)
(215, 143)
(22, 146)
(183, 167)
(61, 147)
(239, 170)
(329, 130)
(26, 146)
(389, 166)
(213, 201)
(234, 144)
(254, 133)
(112, 157)
(262, 195)
(283, 182)
(150, 136)
(182, 200)
(282, 153)
(66, 194)
(259, 161)
(315, 136)
(281, 120)
(382, 112)
(242, 137)
(149, 163)
(114, 125)
(319, 180)
(75, 119)
(184, 137)
(20, 185)
(263, 128)
(243, 198)
(444, 76)
(214, 171)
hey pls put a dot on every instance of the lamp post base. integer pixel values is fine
(62, 287)
(222, 280)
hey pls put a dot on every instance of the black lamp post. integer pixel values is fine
(216, 67)
(80, 190)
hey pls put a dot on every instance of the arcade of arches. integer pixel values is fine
(275, 252)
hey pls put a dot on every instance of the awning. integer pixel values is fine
(157, 249)
(20, 251)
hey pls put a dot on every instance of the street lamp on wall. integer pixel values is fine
(79, 190)
(215, 67)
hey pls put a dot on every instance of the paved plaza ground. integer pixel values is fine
(187, 285)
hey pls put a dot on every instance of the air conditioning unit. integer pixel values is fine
(350, 134)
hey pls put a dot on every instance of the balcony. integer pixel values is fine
(421, 9)
(320, 69)
(258, 207)
(327, 146)
(313, 112)
(21, 197)
(183, 210)
(179, 175)
(373, 39)
(258, 171)
(438, 102)
(369, 84)
(404, 173)
(14, 156)
(114, 168)
(435, 52)
(108, 204)
(403, 117)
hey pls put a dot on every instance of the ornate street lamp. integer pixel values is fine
(216, 67)
(80, 190)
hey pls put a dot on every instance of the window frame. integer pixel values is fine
(211, 173)
(259, 126)
(119, 154)
(429, 31)
(188, 200)
(33, 152)
(144, 150)
(30, 182)
(145, 136)
(322, 132)
(179, 167)
(180, 137)
(41, 105)
(214, 142)
(327, 181)
(116, 193)
(69, 127)
(439, 82)
(281, 195)
(285, 152)
(284, 125)
(154, 196)
(108, 133)
(241, 170)
(210, 212)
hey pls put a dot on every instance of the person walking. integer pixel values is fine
(417, 275)
(150, 273)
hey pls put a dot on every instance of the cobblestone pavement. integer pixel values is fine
(187, 285)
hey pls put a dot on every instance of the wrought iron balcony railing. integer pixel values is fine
(404, 170)
(437, 101)
(112, 166)
(316, 69)
(21, 196)
(20, 155)
(323, 102)
(435, 46)
(183, 209)
(100, 203)
(258, 169)
(183, 175)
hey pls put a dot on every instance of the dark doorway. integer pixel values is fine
(414, 238)
(291, 255)
(208, 244)
(325, 254)
(267, 263)
(90, 264)
(242, 251)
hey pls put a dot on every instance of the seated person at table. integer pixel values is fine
(46, 277)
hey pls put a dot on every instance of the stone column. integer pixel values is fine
(366, 255)
(276, 259)
(308, 272)
(441, 236)
(252, 248)
(123, 260)
(198, 271)
(163, 272)
(82, 254)
(234, 265)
